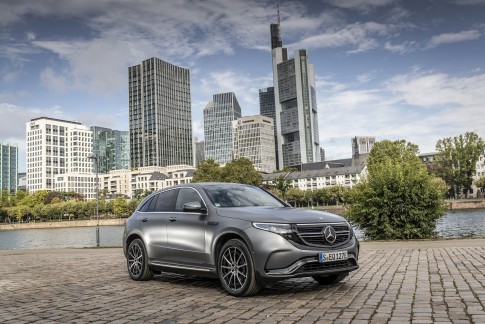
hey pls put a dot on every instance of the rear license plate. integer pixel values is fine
(332, 256)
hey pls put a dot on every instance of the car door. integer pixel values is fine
(153, 224)
(186, 231)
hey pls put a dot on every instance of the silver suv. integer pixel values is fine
(239, 233)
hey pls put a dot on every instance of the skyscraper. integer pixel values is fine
(160, 114)
(218, 116)
(296, 115)
(56, 147)
(9, 157)
(253, 138)
(112, 147)
(267, 108)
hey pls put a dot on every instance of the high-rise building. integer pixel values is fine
(296, 114)
(199, 152)
(218, 116)
(267, 108)
(160, 114)
(9, 159)
(253, 138)
(112, 147)
(56, 147)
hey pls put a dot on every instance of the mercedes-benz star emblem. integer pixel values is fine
(330, 234)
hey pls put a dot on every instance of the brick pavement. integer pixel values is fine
(419, 282)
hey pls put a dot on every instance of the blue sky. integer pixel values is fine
(406, 69)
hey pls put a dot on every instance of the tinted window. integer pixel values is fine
(223, 195)
(153, 202)
(186, 195)
(165, 201)
(145, 206)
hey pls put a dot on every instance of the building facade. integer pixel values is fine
(112, 147)
(132, 182)
(347, 176)
(296, 113)
(9, 157)
(199, 152)
(218, 117)
(253, 138)
(160, 114)
(267, 108)
(56, 147)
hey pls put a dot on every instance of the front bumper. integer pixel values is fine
(275, 258)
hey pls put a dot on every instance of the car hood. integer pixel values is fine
(279, 215)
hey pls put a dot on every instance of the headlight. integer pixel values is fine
(274, 227)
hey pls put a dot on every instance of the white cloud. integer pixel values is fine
(466, 35)
(403, 48)
(245, 87)
(30, 36)
(361, 36)
(420, 107)
(363, 5)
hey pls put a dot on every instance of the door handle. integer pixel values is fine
(144, 219)
(173, 219)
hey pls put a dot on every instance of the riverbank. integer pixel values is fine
(63, 224)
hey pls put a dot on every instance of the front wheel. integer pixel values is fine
(328, 280)
(137, 261)
(235, 267)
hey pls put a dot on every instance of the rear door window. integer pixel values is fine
(165, 201)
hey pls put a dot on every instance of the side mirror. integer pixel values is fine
(194, 207)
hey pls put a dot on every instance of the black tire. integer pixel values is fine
(137, 261)
(235, 267)
(328, 280)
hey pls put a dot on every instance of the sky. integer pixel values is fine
(393, 69)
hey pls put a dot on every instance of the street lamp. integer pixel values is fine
(95, 158)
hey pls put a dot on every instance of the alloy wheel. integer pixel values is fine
(135, 260)
(234, 267)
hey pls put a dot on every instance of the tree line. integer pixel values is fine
(46, 205)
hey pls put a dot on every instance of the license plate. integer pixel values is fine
(332, 256)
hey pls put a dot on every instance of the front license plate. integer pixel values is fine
(332, 256)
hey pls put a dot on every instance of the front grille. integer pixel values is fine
(313, 234)
(327, 266)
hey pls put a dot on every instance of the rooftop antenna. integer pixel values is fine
(275, 30)
(278, 10)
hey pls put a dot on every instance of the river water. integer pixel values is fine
(455, 224)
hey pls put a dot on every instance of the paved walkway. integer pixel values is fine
(419, 282)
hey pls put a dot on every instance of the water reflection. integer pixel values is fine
(72, 237)
(455, 224)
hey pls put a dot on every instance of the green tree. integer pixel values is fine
(241, 171)
(5, 198)
(456, 160)
(282, 184)
(399, 199)
(207, 171)
(53, 196)
(120, 207)
(33, 200)
(296, 197)
(480, 183)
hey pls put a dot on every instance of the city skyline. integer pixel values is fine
(391, 69)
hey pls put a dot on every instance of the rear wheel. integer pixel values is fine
(235, 267)
(328, 280)
(137, 261)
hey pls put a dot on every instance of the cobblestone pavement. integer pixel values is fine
(421, 282)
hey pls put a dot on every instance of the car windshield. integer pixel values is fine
(240, 196)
